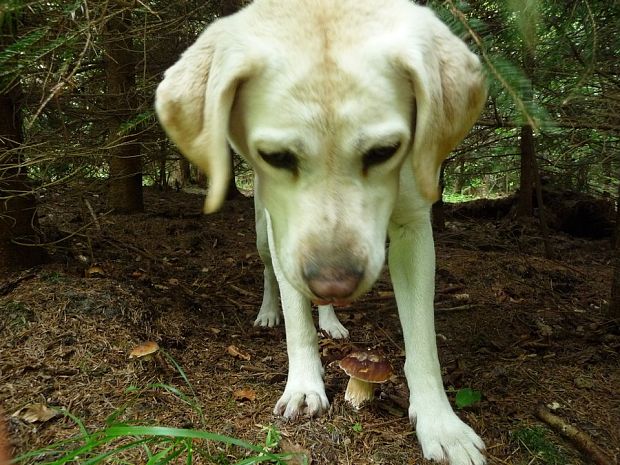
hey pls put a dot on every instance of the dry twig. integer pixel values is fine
(579, 438)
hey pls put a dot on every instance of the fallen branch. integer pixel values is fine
(6, 288)
(579, 438)
(458, 308)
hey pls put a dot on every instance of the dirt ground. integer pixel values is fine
(520, 329)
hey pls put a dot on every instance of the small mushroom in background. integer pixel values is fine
(145, 351)
(151, 353)
(366, 369)
(94, 272)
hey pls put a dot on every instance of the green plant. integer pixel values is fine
(453, 197)
(466, 397)
(16, 314)
(357, 427)
(272, 437)
(160, 444)
(156, 445)
(535, 440)
(52, 277)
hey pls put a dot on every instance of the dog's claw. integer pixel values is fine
(295, 404)
(328, 322)
(445, 438)
(268, 317)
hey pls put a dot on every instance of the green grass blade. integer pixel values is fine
(115, 451)
(122, 430)
(55, 448)
(176, 451)
(179, 370)
(189, 446)
(181, 395)
(89, 446)
(280, 459)
(154, 459)
(78, 422)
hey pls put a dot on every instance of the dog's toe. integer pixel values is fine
(445, 438)
(293, 405)
(329, 323)
(336, 331)
(268, 318)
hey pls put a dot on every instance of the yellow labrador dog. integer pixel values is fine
(345, 109)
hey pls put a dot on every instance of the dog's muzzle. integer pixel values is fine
(333, 284)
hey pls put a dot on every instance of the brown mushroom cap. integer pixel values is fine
(144, 349)
(367, 365)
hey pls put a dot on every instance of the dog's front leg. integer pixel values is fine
(269, 314)
(442, 435)
(304, 391)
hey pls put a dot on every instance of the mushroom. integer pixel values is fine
(145, 351)
(365, 369)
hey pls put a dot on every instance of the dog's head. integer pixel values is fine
(329, 102)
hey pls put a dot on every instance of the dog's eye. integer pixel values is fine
(284, 160)
(378, 155)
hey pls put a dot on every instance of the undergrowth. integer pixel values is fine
(127, 443)
(535, 440)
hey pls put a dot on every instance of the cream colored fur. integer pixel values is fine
(328, 81)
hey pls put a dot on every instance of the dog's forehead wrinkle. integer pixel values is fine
(277, 140)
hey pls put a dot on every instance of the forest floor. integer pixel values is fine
(520, 329)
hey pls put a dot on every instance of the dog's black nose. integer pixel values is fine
(333, 283)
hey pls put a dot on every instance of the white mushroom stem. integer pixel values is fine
(359, 391)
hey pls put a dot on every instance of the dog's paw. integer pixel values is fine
(329, 323)
(445, 438)
(295, 403)
(268, 316)
(336, 331)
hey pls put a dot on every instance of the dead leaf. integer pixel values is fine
(301, 454)
(235, 352)
(462, 297)
(33, 413)
(173, 282)
(242, 395)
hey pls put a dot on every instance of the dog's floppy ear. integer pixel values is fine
(449, 90)
(194, 101)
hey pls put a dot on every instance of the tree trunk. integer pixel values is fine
(124, 151)
(525, 205)
(460, 176)
(542, 214)
(185, 172)
(614, 305)
(438, 210)
(18, 215)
